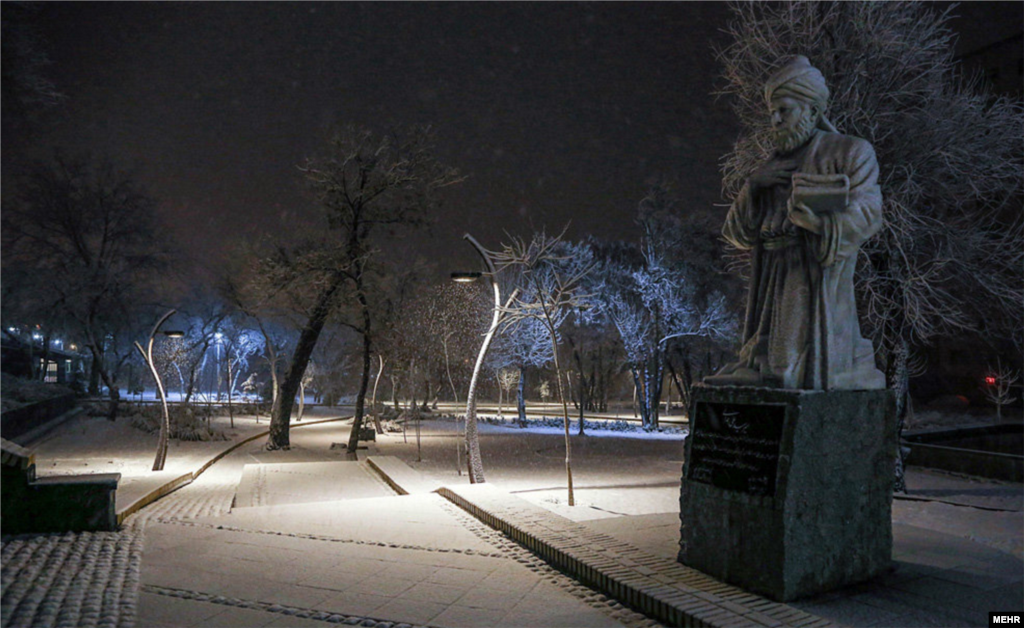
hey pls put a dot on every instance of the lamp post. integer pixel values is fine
(147, 355)
(473, 460)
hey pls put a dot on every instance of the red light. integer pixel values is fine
(991, 381)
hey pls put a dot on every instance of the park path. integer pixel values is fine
(377, 559)
(91, 579)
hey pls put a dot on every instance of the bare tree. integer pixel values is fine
(552, 273)
(86, 231)
(240, 344)
(368, 185)
(507, 378)
(661, 295)
(950, 158)
(999, 383)
(521, 346)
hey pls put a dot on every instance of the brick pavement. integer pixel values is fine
(85, 579)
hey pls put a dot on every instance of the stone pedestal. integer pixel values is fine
(788, 493)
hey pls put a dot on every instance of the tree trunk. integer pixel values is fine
(520, 397)
(897, 376)
(640, 396)
(94, 376)
(271, 357)
(364, 380)
(302, 400)
(280, 419)
(231, 386)
(583, 391)
(684, 397)
(113, 394)
(565, 419)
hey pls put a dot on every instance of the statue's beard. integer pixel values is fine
(788, 140)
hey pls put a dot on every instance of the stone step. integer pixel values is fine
(307, 482)
(401, 477)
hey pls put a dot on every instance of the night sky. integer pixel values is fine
(554, 111)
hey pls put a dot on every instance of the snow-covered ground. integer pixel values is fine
(614, 473)
(88, 444)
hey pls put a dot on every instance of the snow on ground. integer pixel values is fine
(89, 444)
(614, 473)
(597, 432)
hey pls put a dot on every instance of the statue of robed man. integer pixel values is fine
(804, 213)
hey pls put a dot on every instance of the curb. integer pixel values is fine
(662, 589)
(38, 432)
(188, 478)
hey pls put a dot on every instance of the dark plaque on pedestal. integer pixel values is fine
(736, 446)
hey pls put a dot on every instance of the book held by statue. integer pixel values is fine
(823, 193)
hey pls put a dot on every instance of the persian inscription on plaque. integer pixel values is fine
(736, 446)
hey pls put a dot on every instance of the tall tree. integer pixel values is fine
(949, 257)
(367, 185)
(662, 294)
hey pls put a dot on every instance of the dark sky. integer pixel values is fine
(554, 111)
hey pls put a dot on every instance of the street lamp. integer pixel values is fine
(473, 459)
(147, 355)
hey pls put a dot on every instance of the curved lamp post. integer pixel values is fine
(147, 355)
(473, 460)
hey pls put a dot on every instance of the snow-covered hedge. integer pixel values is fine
(16, 392)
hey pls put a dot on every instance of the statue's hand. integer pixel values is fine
(802, 216)
(773, 172)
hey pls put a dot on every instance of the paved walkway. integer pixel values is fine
(383, 560)
(291, 554)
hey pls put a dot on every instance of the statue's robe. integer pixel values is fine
(801, 329)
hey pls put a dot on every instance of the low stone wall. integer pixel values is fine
(988, 451)
(70, 503)
(59, 504)
(19, 421)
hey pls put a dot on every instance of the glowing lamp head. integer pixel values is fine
(990, 380)
(465, 277)
(174, 333)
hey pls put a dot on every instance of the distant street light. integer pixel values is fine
(473, 460)
(165, 427)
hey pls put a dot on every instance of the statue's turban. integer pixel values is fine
(797, 78)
